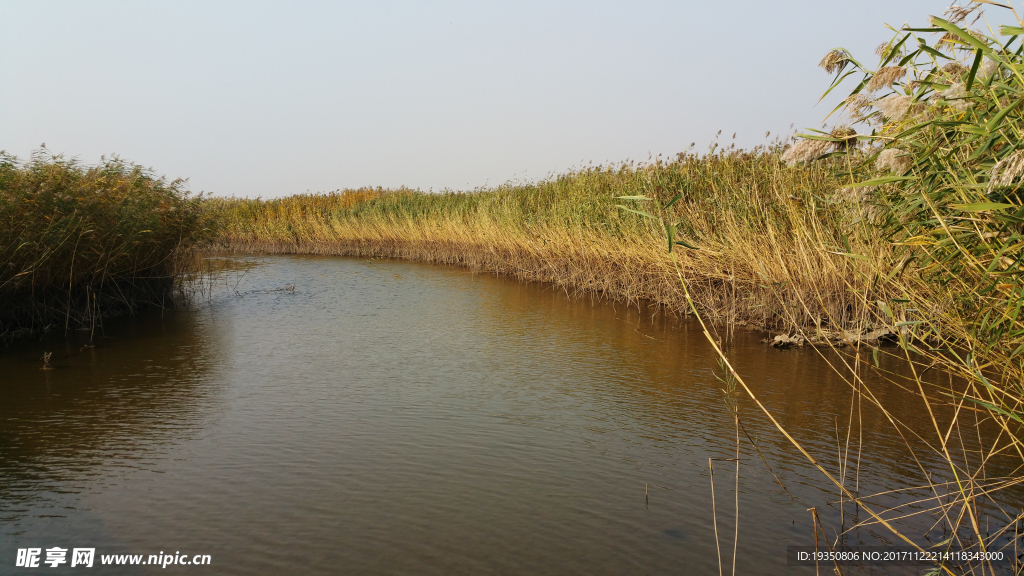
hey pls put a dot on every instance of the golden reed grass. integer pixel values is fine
(764, 238)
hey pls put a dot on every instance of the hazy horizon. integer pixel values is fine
(270, 99)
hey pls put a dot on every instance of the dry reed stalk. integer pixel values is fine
(714, 513)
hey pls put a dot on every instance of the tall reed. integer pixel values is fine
(78, 243)
(764, 233)
(937, 166)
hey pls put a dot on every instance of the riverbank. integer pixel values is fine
(79, 244)
(761, 243)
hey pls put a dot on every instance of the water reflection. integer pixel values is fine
(112, 400)
(387, 417)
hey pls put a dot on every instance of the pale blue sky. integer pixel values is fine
(273, 98)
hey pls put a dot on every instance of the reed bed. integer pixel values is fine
(756, 237)
(80, 243)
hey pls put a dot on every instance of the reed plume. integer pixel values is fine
(1006, 171)
(895, 160)
(806, 151)
(894, 106)
(886, 77)
(835, 61)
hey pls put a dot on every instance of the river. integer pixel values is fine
(317, 415)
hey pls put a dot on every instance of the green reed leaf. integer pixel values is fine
(894, 50)
(933, 51)
(885, 308)
(851, 255)
(965, 36)
(974, 69)
(981, 206)
(994, 408)
(644, 214)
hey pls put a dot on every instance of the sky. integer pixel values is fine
(251, 98)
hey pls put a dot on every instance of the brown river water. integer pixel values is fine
(387, 417)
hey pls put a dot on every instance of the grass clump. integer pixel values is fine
(81, 242)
